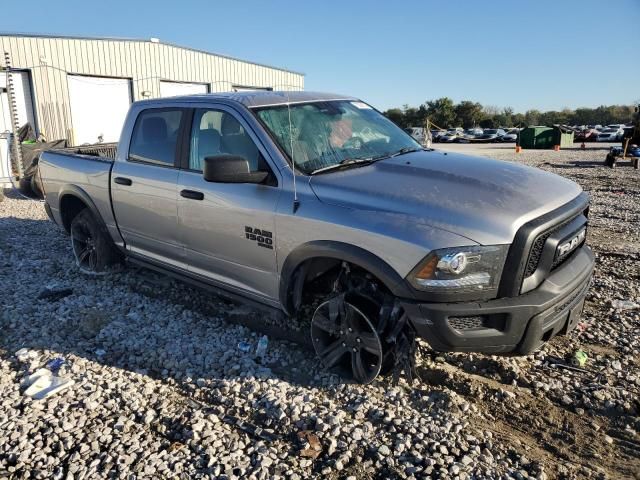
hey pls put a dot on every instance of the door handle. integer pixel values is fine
(192, 194)
(122, 181)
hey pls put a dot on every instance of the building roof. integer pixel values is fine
(124, 39)
(262, 98)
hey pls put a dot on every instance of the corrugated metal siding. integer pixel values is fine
(50, 60)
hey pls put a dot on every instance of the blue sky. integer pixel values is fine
(544, 54)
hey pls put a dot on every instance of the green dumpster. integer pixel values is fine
(545, 137)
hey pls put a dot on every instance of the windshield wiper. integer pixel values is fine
(404, 150)
(346, 163)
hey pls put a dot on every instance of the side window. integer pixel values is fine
(216, 132)
(155, 136)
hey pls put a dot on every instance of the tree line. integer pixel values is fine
(444, 113)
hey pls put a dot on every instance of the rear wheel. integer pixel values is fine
(25, 187)
(92, 248)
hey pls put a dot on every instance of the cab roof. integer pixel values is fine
(252, 99)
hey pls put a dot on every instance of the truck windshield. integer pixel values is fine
(330, 133)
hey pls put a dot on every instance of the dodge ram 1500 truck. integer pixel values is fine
(311, 202)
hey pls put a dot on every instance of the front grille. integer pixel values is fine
(528, 248)
(538, 246)
(560, 260)
(536, 252)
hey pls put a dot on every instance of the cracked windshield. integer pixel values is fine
(327, 135)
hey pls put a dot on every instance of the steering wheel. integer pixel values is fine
(354, 143)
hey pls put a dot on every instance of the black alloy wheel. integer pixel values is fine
(345, 339)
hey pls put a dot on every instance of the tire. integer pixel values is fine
(610, 160)
(92, 247)
(36, 187)
(377, 333)
(24, 186)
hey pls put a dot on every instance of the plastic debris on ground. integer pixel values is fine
(624, 305)
(261, 349)
(55, 364)
(43, 384)
(565, 364)
(579, 358)
(54, 294)
(24, 355)
(244, 347)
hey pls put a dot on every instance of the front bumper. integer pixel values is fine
(518, 324)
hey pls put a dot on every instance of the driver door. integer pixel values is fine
(228, 228)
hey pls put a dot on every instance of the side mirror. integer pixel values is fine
(230, 169)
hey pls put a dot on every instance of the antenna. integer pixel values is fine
(296, 202)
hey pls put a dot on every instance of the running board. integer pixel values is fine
(217, 290)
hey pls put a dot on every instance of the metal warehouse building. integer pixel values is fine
(80, 89)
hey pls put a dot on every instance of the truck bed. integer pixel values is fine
(102, 150)
(64, 171)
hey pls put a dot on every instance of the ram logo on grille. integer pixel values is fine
(570, 245)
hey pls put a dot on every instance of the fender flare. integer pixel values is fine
(339, 251)
(79, 193)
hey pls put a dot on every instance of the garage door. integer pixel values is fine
(5, 113)
(24, 106)
(173, 89)
(99, 107)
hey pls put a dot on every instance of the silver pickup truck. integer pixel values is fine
(316, 203)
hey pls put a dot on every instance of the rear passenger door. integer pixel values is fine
(228, 228)
(144, 186)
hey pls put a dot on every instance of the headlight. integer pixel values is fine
(463, 269)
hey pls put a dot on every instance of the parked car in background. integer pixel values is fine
(418, 133)
(436, 134)
(610, 135)
(469, 135)
(490, 135)
(450, 136)
(586, 135)
(510, 136)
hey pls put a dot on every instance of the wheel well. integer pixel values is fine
(315, 276)
(70, 206)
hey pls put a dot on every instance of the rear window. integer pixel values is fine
(155, 136)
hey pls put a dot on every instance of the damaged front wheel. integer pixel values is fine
(345, 338)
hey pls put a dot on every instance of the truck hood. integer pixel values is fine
(479, 198)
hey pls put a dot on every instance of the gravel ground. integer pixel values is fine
(162, 389)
